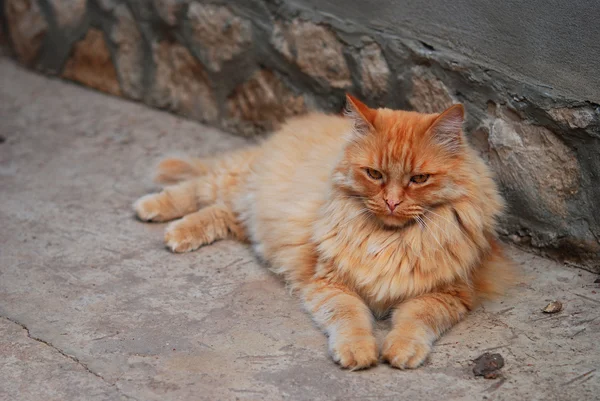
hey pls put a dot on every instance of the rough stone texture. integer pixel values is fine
(551, 45)
(180, 83)
(429, 94)
(129, 59)
(197, 59)
(261, 104)
(574, 117)
(125, 319)
(27, 28)
(69, 13)
(534, 163)
(280, 42)
(543, 179)
(316, 50)
(168, 9)
(107, 5)
(220, 34)
(374, 71)
(91, 64)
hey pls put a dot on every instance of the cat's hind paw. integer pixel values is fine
(147, 208)
(182, 236)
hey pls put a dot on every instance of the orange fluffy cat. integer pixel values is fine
(378, 212)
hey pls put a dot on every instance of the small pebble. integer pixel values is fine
(553, 307)
(488, 365)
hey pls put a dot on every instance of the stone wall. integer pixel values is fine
(246, 65)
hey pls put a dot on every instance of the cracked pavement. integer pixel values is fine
(94, 307)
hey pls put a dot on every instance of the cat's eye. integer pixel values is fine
(374, 174)
(419, 178)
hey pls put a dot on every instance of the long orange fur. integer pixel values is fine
(379, 212)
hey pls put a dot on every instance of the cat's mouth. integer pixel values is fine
(393, 218)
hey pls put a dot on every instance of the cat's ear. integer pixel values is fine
(446, 130)
(361, 115)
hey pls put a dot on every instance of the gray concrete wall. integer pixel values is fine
(549, 43)
(525, 72)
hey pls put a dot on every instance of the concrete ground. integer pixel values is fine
(93, 307)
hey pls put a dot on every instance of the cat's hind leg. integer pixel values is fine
(203, 227)
(213, 180)
(173, 170)
(175, 201)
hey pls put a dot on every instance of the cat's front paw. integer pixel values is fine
(406, 348)
(354, 352)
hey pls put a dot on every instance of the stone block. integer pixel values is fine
(374, 70)
(533, 162)
(108, 5)
(27, 28)
(91, 64)
(429, 94)
(180, 83)
(573, 117)
(219, 34)
(129, 53)
(68, 13)
(315, 50)
(168, 9)
(260, 104)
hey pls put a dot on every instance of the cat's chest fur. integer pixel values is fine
(383, 266)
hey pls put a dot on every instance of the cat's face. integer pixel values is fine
(401, 164)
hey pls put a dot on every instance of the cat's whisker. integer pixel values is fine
(442, 254)
(444, 218)
(361, 213)
(418, 220)
(422, 223)
(351, 197)
(442, 229)
(432, 234)
(445, 232)
(439, 215)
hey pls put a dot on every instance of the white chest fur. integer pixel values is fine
(385, 266)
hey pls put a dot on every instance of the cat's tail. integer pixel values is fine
(173, 170)
(496, 275)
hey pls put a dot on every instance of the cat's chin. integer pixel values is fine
(391, 221)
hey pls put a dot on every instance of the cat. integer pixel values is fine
(376, 213)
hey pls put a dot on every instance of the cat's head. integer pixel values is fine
(399, 163)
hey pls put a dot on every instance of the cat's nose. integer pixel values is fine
(392, 204)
